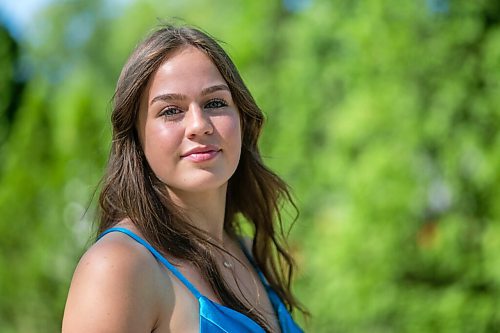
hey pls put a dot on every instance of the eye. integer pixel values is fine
(170, 111)
(216, 103)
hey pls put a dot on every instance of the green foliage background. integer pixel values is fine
(383, 115)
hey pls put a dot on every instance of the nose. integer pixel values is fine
(198, 122)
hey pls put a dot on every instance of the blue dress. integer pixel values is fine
(217, 318)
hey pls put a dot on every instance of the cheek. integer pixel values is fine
(230, 129)
(160, 144)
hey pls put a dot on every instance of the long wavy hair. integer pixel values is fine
(131, 190)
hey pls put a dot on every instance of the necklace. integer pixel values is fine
(227, 264)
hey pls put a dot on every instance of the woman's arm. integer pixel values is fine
(114, 289)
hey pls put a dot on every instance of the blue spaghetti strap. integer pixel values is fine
(157, 255)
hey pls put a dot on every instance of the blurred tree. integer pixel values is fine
(398, 134)
(11, 82)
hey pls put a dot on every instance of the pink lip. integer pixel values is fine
(201, 153)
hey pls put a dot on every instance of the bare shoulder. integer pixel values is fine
(115, 289)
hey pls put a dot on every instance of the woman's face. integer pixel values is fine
(188, 125)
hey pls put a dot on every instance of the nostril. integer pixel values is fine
(199, 125)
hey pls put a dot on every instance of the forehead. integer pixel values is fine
(186, 69)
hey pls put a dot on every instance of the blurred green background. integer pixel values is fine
(383, 115)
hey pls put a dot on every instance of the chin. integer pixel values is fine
(204, 183)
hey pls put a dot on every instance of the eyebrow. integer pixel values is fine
(181, 97)
(212, 89)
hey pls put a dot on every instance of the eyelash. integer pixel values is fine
(166, 112)
(220, 104)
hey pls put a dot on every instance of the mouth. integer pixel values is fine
(201, 154)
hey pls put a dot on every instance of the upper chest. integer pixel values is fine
(241, 279)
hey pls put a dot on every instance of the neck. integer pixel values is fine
(205, 210)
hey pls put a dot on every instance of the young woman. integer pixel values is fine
(183, 172)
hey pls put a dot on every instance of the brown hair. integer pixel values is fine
(131, 190)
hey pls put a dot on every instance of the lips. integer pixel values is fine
(201, 153)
